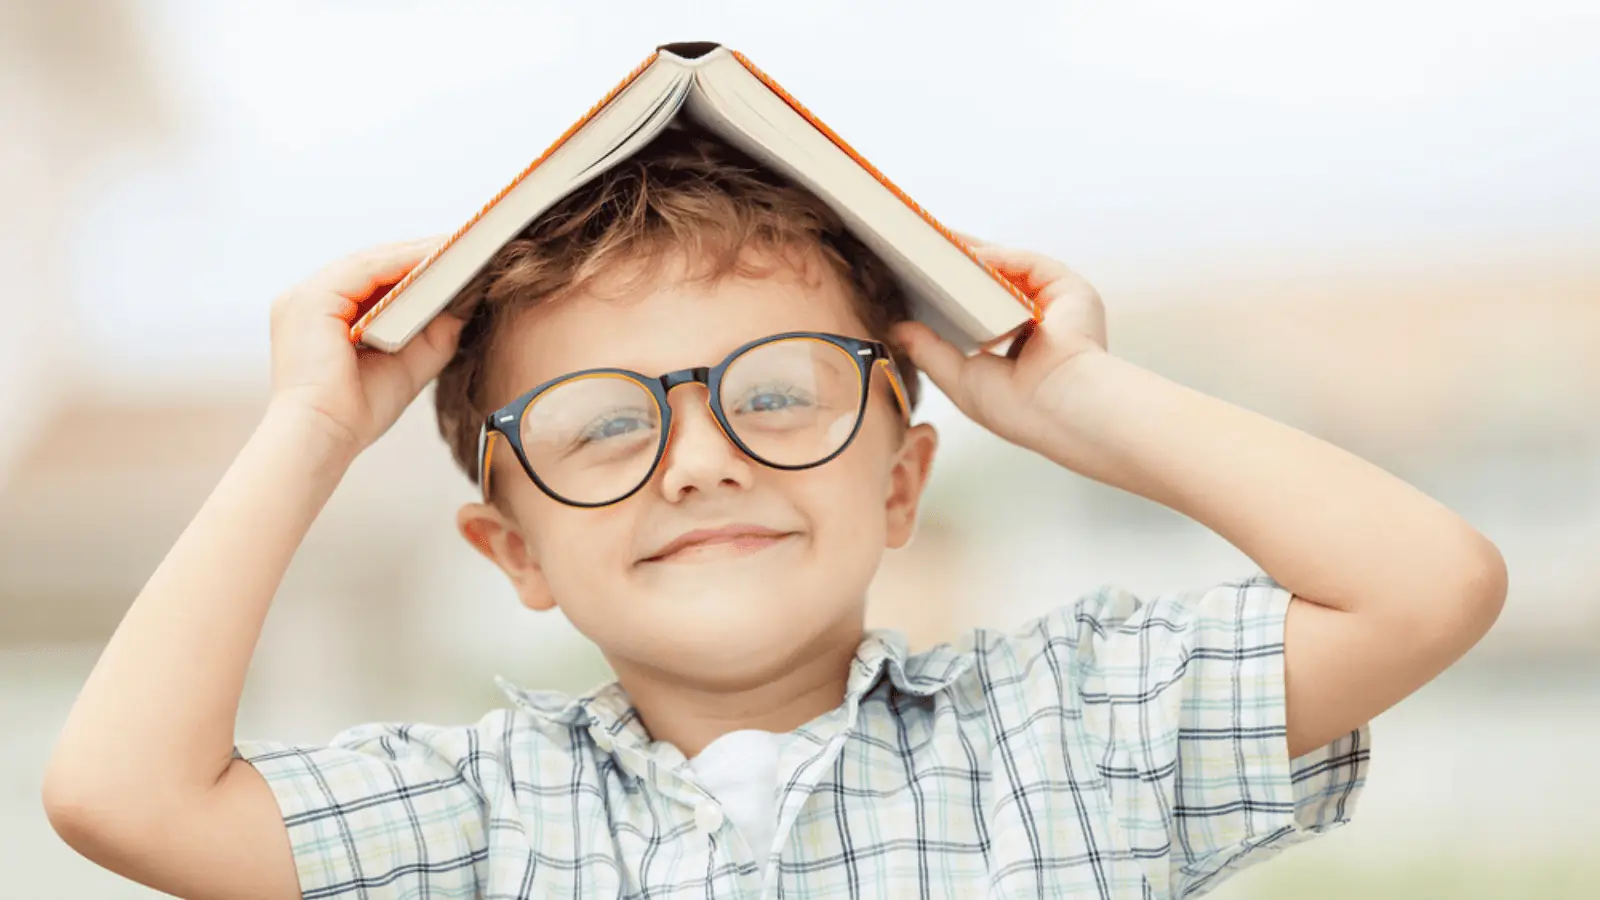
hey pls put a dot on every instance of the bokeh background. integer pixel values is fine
(1377, 221)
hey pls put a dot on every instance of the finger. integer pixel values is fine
(1014, 349)
(1066, 298)
(1031, 272)
(970, 240)
(428, 352)
(973, 383)
(1077, 311)
(358, 276)
(936, 357)
(394, 380)
(958, 376)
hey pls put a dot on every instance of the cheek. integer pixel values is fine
(569, 544)
(849, 492)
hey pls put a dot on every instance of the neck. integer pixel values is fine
(691, 713)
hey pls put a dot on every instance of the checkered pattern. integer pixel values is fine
(1118, 747)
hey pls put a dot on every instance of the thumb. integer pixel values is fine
(967, 381)
(936, 357)
(427, 353)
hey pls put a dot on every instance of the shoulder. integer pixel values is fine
(1112, 614)
(1113, 636)
(412, 803)
(499, 737)
(517, 742)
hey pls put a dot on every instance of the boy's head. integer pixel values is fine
(719, 569)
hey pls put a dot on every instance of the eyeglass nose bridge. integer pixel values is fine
(696, 375)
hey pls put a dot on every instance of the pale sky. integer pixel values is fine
(1130, 139)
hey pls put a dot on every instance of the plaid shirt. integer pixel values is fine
(1117, 747)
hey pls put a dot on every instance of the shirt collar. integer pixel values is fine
(921, 675)
(608, 708)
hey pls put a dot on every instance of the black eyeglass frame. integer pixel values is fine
(506, 421)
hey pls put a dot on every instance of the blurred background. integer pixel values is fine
(1377, 221)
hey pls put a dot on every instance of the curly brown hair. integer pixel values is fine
(685, 192)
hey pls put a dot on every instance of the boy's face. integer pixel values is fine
(803, 546)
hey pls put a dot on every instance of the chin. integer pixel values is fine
(747, 606)
(735, 659)
(728, 629)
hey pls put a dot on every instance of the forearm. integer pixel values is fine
(1331, 527)
(155, 718)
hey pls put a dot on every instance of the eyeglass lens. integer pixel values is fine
(594, 438)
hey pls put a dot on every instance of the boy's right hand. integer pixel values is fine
(355, 393)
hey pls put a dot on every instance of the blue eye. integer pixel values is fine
(616, 426)
(772, 401)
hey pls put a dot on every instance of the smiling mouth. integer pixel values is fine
(719, 544)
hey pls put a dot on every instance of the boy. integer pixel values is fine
(714, 531)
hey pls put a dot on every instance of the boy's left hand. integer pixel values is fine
(1012, 396)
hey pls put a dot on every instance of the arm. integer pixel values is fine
(143, 780)
(1390, 587)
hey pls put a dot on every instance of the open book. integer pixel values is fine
(718, 89)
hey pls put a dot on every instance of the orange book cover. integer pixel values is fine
(374, 307)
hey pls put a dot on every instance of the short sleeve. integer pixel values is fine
(382, 810)
(1193, 696)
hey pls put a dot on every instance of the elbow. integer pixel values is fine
(1485, 583)
(90, 821)
(1453, 599)
(1472, 593)
(69, 810)
(83, 811)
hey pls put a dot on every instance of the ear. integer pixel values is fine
(907, 477)
(499, 538)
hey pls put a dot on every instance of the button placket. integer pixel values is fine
(708, 818)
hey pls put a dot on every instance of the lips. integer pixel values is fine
(730, 540)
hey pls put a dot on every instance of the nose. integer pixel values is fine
(700, 458)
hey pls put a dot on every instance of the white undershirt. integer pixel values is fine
(740, 769)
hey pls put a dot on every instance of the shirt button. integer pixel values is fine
(602, 739)
(708, 818)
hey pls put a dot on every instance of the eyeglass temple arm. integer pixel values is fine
(485, 454)
(899, 386)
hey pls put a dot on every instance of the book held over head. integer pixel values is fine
(721, 92)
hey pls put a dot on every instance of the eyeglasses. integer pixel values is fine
(594, 438)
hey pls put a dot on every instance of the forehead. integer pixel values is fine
(667, 322)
